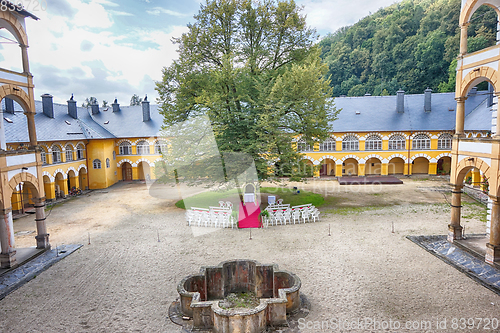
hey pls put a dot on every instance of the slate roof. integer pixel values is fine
(127, 123)
(376, 113)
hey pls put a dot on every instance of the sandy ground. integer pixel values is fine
(125, 280)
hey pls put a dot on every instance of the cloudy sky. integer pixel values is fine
(116, 48)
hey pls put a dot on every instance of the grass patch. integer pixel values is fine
(205, 199)
(240, 300)
(476, 211)
(351, 210)
(212, 198)
(288, 196)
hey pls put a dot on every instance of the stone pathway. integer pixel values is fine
(15, 278)
(464, 261)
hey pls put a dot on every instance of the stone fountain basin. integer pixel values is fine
(277, 290)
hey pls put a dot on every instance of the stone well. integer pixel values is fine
(277, 290)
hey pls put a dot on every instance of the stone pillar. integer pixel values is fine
(31, 128)
(459, 125)
(432, 168)
(42, 237)
(8, 255)
(476, 178)
(454, 228)
(463, 39)
(24, 54)
(361, 169)
(493, 247)
(385, 169)
(338, 170)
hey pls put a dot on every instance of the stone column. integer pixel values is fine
(31, 127)
(493, 247)
(454, 228)
(459, 125)
(42, 237)
(8, 255)
(24, 54)
(463, 39)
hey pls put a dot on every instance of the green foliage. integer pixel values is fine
(253, 69)
(409, 45)
(89, 101)
(135, 100)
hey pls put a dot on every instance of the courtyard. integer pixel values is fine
(140, 248)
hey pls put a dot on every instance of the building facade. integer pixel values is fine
(20, 170)
(472, 153)
(397, 135)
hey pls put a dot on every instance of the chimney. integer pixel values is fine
(72, 110)
(490, 94)
(400, 104)
(95, 108)
(116, 106)
(146, 116)
(427, 99)
(47, 105)
(9, 105)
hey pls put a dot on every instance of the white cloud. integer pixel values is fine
(92, 15)
(160, 10)
(120, 13)
(109, 68)
(328, 15)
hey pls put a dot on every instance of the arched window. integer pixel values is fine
(125, 148)
(327, 145)
(56, 154)
(397, 142)
(421, 141)
(79, 152)
(161, 147)
(302, 146)
(69, 153)
(142, 148)
(44, 156)
(444, 141)
(373, 142)
(350, 142)
(96, 164)
(107, 163)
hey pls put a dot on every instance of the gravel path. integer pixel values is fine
(125, 280)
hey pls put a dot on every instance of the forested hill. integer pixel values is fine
(409, 45)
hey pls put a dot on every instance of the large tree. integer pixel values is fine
(252, 67)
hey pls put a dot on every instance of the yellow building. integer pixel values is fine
(89, 148)
(96, 147)
(20, 170)
(391, 135)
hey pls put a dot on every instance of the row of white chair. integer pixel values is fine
(218, 217)
(296, 214)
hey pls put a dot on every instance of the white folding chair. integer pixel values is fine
(315, 215)
(305, 215)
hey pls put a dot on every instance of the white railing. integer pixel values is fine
(7, 75)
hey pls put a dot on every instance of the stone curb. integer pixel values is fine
(17, 277)
(465, 262)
